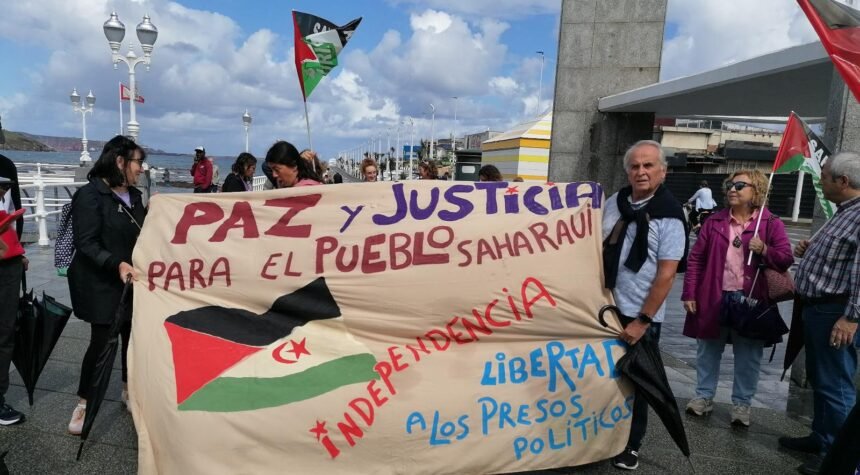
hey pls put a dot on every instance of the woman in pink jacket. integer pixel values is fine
(289, 168)
(718, 277)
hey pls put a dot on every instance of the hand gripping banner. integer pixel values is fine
(421, 327)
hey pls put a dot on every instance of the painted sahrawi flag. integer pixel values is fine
(802, 150)
(318, 43)
(416, 327)
(837, 23)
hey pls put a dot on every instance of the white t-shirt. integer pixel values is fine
(704, 199)
(666, 240)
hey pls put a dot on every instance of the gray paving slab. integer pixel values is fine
(42, 446)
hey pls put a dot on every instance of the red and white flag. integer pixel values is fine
(837, 23)
(125, 94)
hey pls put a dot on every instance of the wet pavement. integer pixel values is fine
(41, 444)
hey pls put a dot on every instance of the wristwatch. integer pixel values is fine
(644, 318)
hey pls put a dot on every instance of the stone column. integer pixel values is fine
(605, 47)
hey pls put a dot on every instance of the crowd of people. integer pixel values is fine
(646, 244)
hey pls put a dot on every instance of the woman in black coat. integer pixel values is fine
(107, 214)
(242, 177)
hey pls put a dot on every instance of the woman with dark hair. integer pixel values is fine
(289, 168)
(427, 170)
(489, 173)
(369, 170)
(107, 214)
(242, 177)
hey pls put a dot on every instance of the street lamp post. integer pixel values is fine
(540, 82)
(246, 121)
(83, 109)
(411, 145)
(147, 33)
(432, 133)
(454, 141)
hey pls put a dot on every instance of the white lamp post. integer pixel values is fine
(147, 33)
(411, 144)
(432, 124)
(83, 109)
(246, 120)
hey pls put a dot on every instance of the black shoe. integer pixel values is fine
(808, 444)
(812, 466)
(9, 416)
(627, 460)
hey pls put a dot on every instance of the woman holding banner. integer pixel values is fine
(107, 214)
(289, 168)
(427, 170)
(720, 287)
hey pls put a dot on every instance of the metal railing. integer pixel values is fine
(33, 196)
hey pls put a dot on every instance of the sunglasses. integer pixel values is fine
(738, 185)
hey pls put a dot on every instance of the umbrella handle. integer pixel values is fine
(609, 308)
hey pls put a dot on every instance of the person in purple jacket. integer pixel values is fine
(718, 277)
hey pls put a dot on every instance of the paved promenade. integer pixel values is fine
(42, 446)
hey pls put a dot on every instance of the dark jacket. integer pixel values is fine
(233, 183)
(104, 237)
(8, 170)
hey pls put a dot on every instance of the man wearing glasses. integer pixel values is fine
(828, 283)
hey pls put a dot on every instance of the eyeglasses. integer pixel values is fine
(738, 185)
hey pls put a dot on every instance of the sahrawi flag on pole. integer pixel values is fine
(318, 42)
(802, 150)
(837, 23)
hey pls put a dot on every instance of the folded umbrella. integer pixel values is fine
(37, 330)
(795, 337)
(104, 365)
(643, 366)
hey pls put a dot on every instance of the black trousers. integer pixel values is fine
(639, 424)
(11, 271)
(99, 336)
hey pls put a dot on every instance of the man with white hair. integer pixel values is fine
(645, 243)
(828, 283)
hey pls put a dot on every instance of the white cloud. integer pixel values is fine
(504, 86)
(713, 34)
(508, 9)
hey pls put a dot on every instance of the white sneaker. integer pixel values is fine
(124, 399)
(76, 425)
(740, 415)
(700, 406)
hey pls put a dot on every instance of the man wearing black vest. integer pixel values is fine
(645, 244)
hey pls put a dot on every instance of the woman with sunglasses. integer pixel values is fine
(107, 214)
(718, 277)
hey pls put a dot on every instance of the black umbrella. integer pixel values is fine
(795, 337)
(37, 330)
(643, 365)
(104, 366)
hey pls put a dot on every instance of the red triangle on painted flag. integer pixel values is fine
(199, 358)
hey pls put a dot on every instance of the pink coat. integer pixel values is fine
(703, 281)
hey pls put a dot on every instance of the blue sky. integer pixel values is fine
(213, 59)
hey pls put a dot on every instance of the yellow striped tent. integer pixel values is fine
(522, 151)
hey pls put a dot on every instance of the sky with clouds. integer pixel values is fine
(215, 58)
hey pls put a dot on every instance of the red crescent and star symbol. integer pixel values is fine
(297, 349)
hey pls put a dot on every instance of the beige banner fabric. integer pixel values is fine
(414, 327)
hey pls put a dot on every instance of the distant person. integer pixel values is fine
(12, 267)
(337, 178)
(446, 176)
(11, 200)
(427, 170)
(829, 291)
(489, 173)
(289, 168)
(167, 177)
(242, 176)
(201, 171)
(107, 215)
(369, 170)
(702, 201)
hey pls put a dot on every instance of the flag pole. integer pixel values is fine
(760, 212)
(308, 123)
(120, 109)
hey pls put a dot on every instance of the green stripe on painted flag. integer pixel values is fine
(231, 394)
(793, 164)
